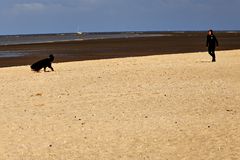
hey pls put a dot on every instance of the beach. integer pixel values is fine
(166, 107)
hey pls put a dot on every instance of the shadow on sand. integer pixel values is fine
(203, 61)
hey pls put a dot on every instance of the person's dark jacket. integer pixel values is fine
(212, 41)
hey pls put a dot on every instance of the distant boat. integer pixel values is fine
(79, 33)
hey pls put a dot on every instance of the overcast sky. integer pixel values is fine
(57, 16)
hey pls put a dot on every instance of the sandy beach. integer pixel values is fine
(163, 107)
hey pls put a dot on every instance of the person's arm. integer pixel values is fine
(216, 41)
(207, 42)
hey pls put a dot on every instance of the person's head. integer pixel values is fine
(210, 32)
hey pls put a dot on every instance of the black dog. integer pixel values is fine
(43, 64)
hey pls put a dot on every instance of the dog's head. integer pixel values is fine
(51, 57)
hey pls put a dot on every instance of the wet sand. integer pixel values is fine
(179, 106)
(117, 48)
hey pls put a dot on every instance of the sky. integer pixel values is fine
(63, 16)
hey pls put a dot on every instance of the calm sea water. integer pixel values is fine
(61, 37)
(41, 38)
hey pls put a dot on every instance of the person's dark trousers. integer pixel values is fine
(211, 51)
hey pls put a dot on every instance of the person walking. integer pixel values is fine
(212, 42)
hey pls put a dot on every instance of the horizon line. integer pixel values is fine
(106, 32)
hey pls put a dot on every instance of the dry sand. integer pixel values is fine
(167, 107)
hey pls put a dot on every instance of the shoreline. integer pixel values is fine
(207, 60)
(115, 48)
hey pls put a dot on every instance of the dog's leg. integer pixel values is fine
(50, 66)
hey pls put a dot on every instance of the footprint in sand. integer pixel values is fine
(37, 95)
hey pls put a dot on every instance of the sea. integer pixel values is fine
(61, 37)
(8, 40)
